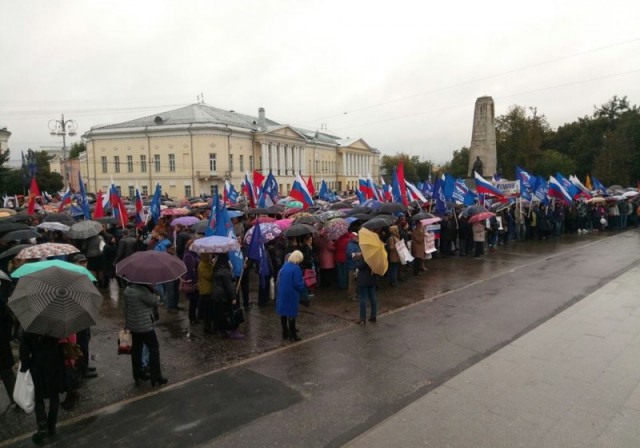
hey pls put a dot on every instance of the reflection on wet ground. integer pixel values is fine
(187, 352)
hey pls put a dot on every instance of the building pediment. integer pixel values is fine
(285, 131)
(358, 144)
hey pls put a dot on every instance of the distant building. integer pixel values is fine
(193, 149)
(4, 139)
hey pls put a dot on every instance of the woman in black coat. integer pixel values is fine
(6, 356)
(224, 296)
(43, 357)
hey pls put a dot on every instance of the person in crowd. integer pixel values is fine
(290, 287)
(127, 246)
(6, 355)
(447, 234)
(418, 248)
(189, 281)
(72, 377)
(139, 303)
(340, 258)
(169, 290)
(479, 235)
(463, 236)
(224, 297)
(183, 234)
(42, 356)
(394, 258)
(308, 262)
(353, 251)
(92, 248)
(326, 260)
(205, 289)
(366, 291)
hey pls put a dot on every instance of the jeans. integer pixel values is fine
(172, 295)
(364, 293)
(149, 340)
(343, 275)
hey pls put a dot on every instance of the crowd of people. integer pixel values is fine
(298, 265)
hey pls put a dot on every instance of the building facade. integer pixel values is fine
(193, 149)
(4, 139)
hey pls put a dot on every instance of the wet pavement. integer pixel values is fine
(342, 379)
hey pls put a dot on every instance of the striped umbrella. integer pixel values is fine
(55, 302)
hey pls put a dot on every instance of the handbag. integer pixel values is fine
(235, 317)
(24, 393)
(71, 351)
(188, 286)
(309, 276)
(124, 342)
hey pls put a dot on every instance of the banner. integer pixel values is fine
(508, 187)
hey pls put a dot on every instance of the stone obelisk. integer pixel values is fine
(483, 138)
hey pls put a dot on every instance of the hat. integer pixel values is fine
(76, 258)
(354, 234)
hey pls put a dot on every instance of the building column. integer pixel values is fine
(274, 157)
(287, 159)
(344, 163)
(301, 161)
(265, 154)
(281, 164)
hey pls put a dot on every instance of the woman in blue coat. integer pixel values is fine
(290, 285)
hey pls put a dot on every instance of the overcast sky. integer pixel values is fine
(402, 75)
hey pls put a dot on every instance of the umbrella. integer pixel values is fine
(19, 235)
(214, 244)
(201, 227)
(84, 230)
(11, 226)
(360, 210)
(186, 221)
(392, 207)
(630, 194)
(373, 251)
(372, 203)
(258, 211)
(264, 219)
(376, 223)
(309, 219)
(150, 267)
(473, 210)
(422, 215)
(268, 230)
(55, 302)
(326, 216)
(14, 250)
(336, 228)
(292, 211)
(480, 216)
(339, 205)
(30, 268)
(45, 250)
(59, 217)
(175, 212)
(53, 226)
(4, 276)
(298, 230)
(596, 200)
(275, 210)
(107, 220)
(8, 211)
(361, 216)
(429, 221)
(284, 224)
(235, 213)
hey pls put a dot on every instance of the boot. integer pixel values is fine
(39, 437)
(285, 329)
(51, 425)
(293, 334)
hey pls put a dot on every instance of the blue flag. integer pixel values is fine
(269, 194)
(597, 185)
(525, 183)
(258, 253)
(154, 208)
(396, 192)
(84, 202)
(438, 193)
(213, 214)
(448, 187)
(224, 227)
(361, 197)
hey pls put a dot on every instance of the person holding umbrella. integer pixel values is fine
(139, 303)
(43, 357)
(290, 286)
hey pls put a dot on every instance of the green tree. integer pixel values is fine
(552, 161)
(4, 158)
(459, 164)
(76, 149)
(17, 180)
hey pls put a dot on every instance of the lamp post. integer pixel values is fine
(63, 127)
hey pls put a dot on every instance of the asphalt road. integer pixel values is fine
(342, 381)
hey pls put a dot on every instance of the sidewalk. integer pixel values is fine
(574, 381)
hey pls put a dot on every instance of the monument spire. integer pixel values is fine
(483, 138)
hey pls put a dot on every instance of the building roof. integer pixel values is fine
(191, 114)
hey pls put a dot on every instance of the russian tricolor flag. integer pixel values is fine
(140, 217)
(484, 187)
(557, 190)
(249, 191)
(66, 199)
(300, 192)
(415, 192)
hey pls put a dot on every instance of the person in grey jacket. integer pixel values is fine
(139, 304)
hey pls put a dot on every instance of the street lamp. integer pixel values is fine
(63, 127)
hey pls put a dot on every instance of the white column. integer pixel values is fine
(349, 164)
(344, 163)
(274, 157)
(287, 159)
(281, 164)
(301, 164)
(265, 154)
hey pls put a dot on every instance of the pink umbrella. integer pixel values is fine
(268, 230)
(185, 221)
(174, 212)
(284, 224)
(481, 216)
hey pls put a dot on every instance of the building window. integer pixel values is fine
(231, 163)
(116, 164)
(241, 163)
(250, 163)
(104, 164)
(130, 164)
(187, 191)
(213, 163)
(212, 189)
(143, 163)
(132, 192)
(145, 190)
(172, 163)
(156, 162)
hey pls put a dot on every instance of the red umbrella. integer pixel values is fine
(481, 216)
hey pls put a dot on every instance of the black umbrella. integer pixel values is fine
(257, 211)
(20, 217)
(19, 235)
(474, 210)
(391, 208)
(309, 219)
(298, 230)
(422, 215)
(150, 267)
(11, 226)
(200, 227)
(361, 216)
(275, 210)
(376, 223)
(108, 220)
(60, 217)
(55, 302)
(339, 205)
(361, 210)
(14, 250)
